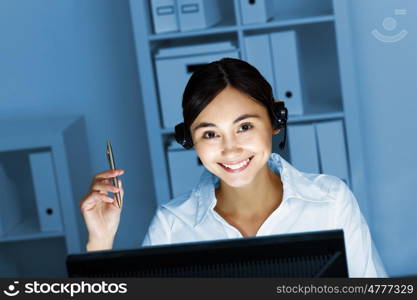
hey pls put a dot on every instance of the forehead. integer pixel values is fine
(229, 104)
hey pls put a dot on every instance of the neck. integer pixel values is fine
(259, 198)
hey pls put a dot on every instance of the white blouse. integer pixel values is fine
(311, 202)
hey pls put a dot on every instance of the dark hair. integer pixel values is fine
(209, 80)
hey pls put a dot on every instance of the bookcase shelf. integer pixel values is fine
(276, 24)
(29, 230)
(319, 27)
(43, 174)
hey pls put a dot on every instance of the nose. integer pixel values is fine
(230, 146)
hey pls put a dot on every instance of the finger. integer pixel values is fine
(105, 188)
(115, 204)
(122, 191)
(91, 201)
(108, 174)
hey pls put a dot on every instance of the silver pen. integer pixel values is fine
(112, 165)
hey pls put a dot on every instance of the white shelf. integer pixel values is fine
(229, 28)
(222, 27)
(288, 22)
(292, 119)
(29, 230)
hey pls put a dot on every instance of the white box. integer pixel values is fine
(256, 11)
(198, 14)
(164, 15)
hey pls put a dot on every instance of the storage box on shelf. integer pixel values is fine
(44, 168)
(294, 45)
(190, 15)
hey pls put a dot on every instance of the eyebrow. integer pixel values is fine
(242, 117)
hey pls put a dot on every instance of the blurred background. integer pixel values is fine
(75, 73)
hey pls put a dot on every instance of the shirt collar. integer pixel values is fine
(296, 185)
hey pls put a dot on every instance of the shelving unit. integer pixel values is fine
(29, 202)
(322, 32)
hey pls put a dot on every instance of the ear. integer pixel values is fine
(276, 131)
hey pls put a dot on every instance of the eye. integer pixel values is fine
(209, 135)
(245, 127)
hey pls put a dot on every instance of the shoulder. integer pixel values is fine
(181, 208)
(311, 187)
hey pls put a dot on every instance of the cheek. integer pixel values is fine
(258, 140)
(204, 152)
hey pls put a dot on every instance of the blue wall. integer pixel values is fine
(77, 58)
(387, 80)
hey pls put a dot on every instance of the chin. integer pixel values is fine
(237, 183)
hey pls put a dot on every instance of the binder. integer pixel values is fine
(258, 54)
(286, 67)
(256, 11)
(46, 192)
(303, 148)
(197, 14)
(164, 16)
(11, 213)
(332, 147)
(184, 169)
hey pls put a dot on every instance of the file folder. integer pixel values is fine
(46, 191)
(256, 11)
(286, 67)
(197, 14)
(11, 213)
(185, 170)
(303, 148)
(332, 147)
(164, 15)
(258, 54)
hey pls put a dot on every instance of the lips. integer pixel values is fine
(236, 167)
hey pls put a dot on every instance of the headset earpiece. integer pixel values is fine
(182, 136)
(280, 113)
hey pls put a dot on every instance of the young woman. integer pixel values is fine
(246, 190)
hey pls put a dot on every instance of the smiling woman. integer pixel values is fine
(230, 117)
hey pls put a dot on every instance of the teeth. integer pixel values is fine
(237, 166)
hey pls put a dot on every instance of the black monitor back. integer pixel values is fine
(311, 254)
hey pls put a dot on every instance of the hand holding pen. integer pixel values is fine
(101, 213)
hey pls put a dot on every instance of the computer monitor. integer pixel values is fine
(308, 254)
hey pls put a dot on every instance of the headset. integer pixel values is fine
(279, 113)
